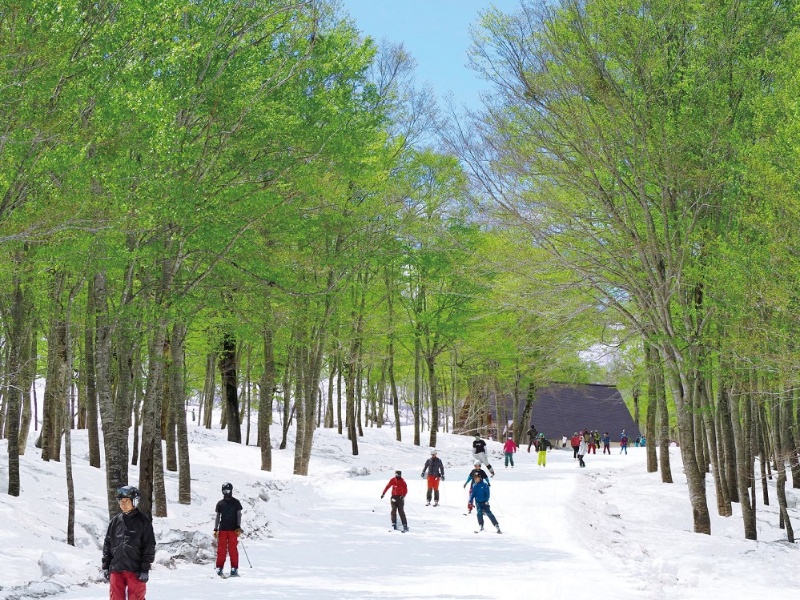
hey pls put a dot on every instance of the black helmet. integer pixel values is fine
(399, 473)
(128, 491)
(227, 489)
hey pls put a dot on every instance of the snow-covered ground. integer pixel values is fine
(608, 531)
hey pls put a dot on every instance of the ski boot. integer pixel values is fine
(235, 572)
(405, 528)
(498, 528)
(219, 571)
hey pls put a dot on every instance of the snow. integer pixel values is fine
(610, 529)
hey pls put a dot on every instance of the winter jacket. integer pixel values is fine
(130, 543)
(480, 492)
(433, 466)
(478, 446)
(606, 439)
(229, 514)
(398, 485)
(481, 473)
(575, 441)
(510, 446)
(532, 433)
(582, 448)
(623, 441)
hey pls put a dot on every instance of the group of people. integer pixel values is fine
(129, 548)
(478, 480)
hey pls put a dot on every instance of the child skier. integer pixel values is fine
(435, 469)
(398, 499)
(480, 494)
(542, 461)
(508, 449)
(480, 473)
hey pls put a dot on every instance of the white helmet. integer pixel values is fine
(433, 451)
(477, 463)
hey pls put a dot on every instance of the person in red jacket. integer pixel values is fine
(398, 498)
(575, 442)
(508, 449)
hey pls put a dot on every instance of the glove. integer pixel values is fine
(106, 574)
(442, 477)
(422, 475)
(470, 506)
(144, 576)
(238, 531)
(381, 496)
(216, 534)
(464, 486)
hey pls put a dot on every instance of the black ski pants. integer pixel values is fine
(397, 507)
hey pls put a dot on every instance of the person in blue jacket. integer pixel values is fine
(480, 496)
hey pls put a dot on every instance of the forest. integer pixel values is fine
(250, 205)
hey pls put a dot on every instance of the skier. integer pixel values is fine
(398, 499)
(480, 473)
(582, 445)
(227, 529)
(508, 449)
(623, 443)
(542, 461)
(479, 452)
(435, 469)
(575, 442)
(480, 494)
(606, 443)
(532, 435)
(129, 548)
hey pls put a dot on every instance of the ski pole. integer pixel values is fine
(245, 554)
(376, 504)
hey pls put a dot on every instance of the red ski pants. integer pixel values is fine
(120, 580)
(227, 542)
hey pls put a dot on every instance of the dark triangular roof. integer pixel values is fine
(561, 409)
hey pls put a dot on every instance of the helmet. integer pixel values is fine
(541, 435)
(433, 450)
(128, 491)
(227, 489)
(399, 473)
(477, 463)
(477, 435)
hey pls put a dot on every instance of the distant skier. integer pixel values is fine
(606, 443)
(508, 449)
(227, 529)
(542, 445)
(575, 442)
(582, 446)
(480, 495)
(129, 548)
(398, 499)
(480, 473)
(532, 435)
(479, 452)
(435, 469)
(623, 442)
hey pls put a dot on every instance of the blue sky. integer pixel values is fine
(435, 32)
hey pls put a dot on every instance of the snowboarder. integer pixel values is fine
(480, 494)
(508, 449)
(435, 469)
(479, 452)
(227, 529)
(623, 442)
(129, 548)
(480, 473)
(398, 499)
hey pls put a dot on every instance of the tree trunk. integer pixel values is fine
(393, 390)
(728, 444)
(434, 398)
(266, 393)
(417, 391)
(209, 389)
(179, 413)
(55, 392)
(91, 382)
(19, 319)
(655, 378)
(229, 381)
(742, 467)
(681, 386)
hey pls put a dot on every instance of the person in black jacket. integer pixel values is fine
(479, 452)
(227, 529)
(129, 548)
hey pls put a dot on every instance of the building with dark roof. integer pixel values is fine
(562, 409)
